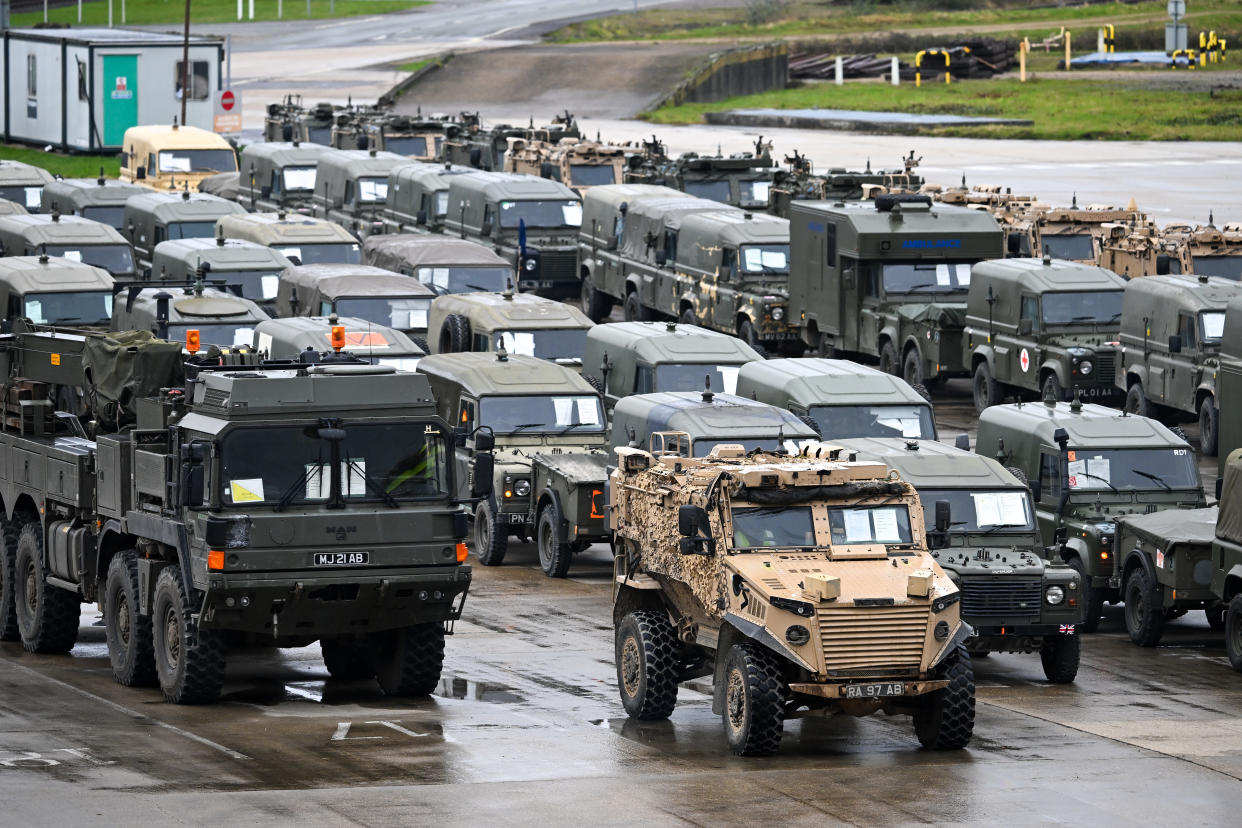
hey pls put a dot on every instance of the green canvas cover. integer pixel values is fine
(124, 366)
(1229, 522)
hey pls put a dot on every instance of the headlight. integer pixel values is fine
(1078, 353)
(1085, 367)
(1054, 595)
(778, 314)
(797, 635)
(530, 264)
(521, 488)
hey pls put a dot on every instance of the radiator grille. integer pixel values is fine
(1102, 368)
(999, 596)
(558, 265)
(889, 637)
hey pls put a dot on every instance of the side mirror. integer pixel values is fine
(140, 173)
(962, 441)
(689, 519)
(420, 218)
(1175, 344)
(1059, 535)
(660, 258)
(484, 441)
(265, 191)
(484, 471)
(1025, 326)
(485, 228)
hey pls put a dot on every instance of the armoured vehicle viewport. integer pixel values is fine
(70, 237)
(520, 323)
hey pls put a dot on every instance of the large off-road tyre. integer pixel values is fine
(687, 317)
(595, 382)
(1215, 616)
(945, 720)
(421, 342)
(1209, 428)
(912, 367)
(632, 308)
(555, 554)
(747, 333)
(128, 633)
(408, 661)
(987, 391)
(754, 700)
(1060, 655)
(47, 616)
(890, 362)
(1019, 474)
(1144, 609)
(1136, 401)
(1092, 598)
(189, 660)
(922, 390)
(1051, 387)
(1233, 632)
(647, 664)
(455, 334)
(597, 306)
(348, 658)
(491, 540)
(8, 560)
(1180, 433)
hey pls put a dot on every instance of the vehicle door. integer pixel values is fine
(1181, 378)
(1018, 351)
(725, 302)
(1049, 501)
(861, 288)
(463, 452)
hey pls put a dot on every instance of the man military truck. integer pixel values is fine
(279, 175)
(251, 269)
(54, 291)
(383, 297)
(1043, 327)
(69, 237)
(887, 280)
(550, 453)
(302, 239)
(23, 184)
(418, 197)
(1089, 465)
(801, 585)
(293, 502)
(101, 199)
(446, 265)
(171, 311)
(174, 157)
(351, 188)
(517, 323)
(289, 339)
(151, 218)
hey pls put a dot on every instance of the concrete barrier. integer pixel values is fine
(746, 70)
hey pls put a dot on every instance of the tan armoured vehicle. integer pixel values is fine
(172, 157)
(577, 164)
(1076, 233)
(1212, 251)
(1142, 250)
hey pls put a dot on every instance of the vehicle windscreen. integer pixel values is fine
(563, 344)
(87, 307)
(773, 527)
(372, 191)
(196, 160)
(319, 135)
(1077, 246)
(546, 214)
(838, 422)
(442, 203)
(712, 190)
(765, 258)
(1211, 326)
(258, 285)
(298, 179)
(332, 253)
(192, 230)
(29, 197)
(226, 335)
(755, 193)
(1135, 469)
(112, 216)
(694, 376)
(591, 175)
(406, 145)
(401, 312)
(1097, 307)
(1001, 511)
(870, 524)
(465, 279)
(117, 259)
(404, 461)
(1228, 267)
(542, 414)
(914, 277)
(702, 448)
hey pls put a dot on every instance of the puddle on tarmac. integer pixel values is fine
(457, 687)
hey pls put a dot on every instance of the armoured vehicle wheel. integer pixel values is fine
(348, 658)
(912, 367)
(633, 309)
(129, 634)
(1060, 655)
(490, 541)
(1092, 598)
(1209, 427)
(646, 654)
(455, 334)
(987, 390)
(1136, 401)
(1216, 617)
(946, 719)
(1144, 613)
(554, 554)
(190, 664)
(1052, 388)
(754, 701)
(8, 554)
(888, 359)
(47, 616)
(408, 661)
(1233, 633)
(595, 305)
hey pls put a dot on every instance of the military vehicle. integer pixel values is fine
(174, 157)
(170, 311)
(51, 290)
(530, 222)
(445, 265)
(226, 185)
(23, 184)
(1076, 233)
(1227, 557)
(801, 183)
(289, 339)
(371, 293)
(1212, 251)
(301, 239)
(1044, 327)
(577, 163)
(743, 179)
(279, 176)
(11, 208)
(520, 323)
(549, 470)
(802, 585)
(1142, 250)
(290, 121)
(644, 357)
(888, 280)
(1170, 349)
(1013, 599)
(467, 143)
(840, 398)
(418, 197)
(252, 269)
(101, 199)
(209, 516)
(1089, 465)
(1229, 384)
(352, 188)
(71, 237)
(151, 218)
(412, 136)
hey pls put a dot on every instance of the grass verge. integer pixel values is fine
(66, 166)
(146, 12)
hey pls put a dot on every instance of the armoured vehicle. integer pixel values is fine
(101, 199)
(1076, 233)
(23, 184)
(279, 176)
(289, 339)
(626, 358)
(1014, 600)
(516, 323)
(301, 239)
(11, 208)
(170, 311)
(412, 136)
(1043, 327)
(467, 143)
(290, 502)
(1089, 465)
(743, 179)
(174, 157)
(550, 457)
(888, 280)
(577, 163)
(352, 188)
(443, 264)
(418, 197)
(71, 237)
(1171, 332)
(530, 222)
(1229, 383)
(1227, 557)
(372, 293)
(1142, 250)
(151, 218)
(1213, 251)
(248, 268)
(290, 121)
(801, 585)
(801, 183)
(839, 398)
(51, 290)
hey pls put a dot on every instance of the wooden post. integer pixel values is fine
(1067, 49)
(1022, 61)
(839, 71)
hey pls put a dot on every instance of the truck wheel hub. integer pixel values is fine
(735, 698)
(631, 666)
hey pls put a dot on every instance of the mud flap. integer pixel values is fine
(737, 629)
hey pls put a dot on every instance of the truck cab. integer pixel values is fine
(101, 199)
(250, 268)
(352, 188)
(23, 184)
(151, 218)
(71, 237)
(517, 323)
(172, 157)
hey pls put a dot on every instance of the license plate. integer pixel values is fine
(342, 558)
(874, 691)
(516, 518)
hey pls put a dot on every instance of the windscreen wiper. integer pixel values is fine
(287, 497)
(1101, 479)
(1153, 477)
(521, 426)
(376, 487)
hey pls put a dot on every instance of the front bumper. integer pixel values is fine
(837, 690)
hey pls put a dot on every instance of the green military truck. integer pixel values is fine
(171, 311)
(418, 196)
(154, 217)
(381, 296)
(1042, 327)
(23, 184)
(1229, 383)
(444, 264)
(887, 280)
(252, 269)
(101, 199)
(292, 502)
(69, 237)
(1088, 466)
(1014, 600)
(518, 323)
(626, 358)
(550, 452)
(290, 339)
(1227, 557)
(1171, 334)
(351, 188)
(840, 398)
(301, 239)
(54, 291)
(278, 175)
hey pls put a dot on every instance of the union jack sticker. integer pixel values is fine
(1067, 629)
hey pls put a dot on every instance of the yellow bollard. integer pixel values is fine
(1067, 51)
(1023, 48)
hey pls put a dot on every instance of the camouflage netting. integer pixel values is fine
(1229, 521)
(124, 366)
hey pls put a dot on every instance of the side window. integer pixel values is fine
(1186, 327)
(482, 343)
(728, 263)
(275, 185)
(644, 379)
(160, 234)
(151, 168)
(830, 245)
(618, 228)
(465, 414)
(83, 92)
(1030, 310)
(200, 85)
(325, 308)
(349, 192)
(1049, 476)
(489, 217)
(869, 277)
(32, 85)
(670, 246)
(15, 307)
